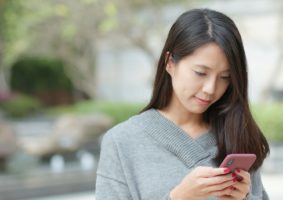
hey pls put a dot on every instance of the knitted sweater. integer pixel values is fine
(145, 157)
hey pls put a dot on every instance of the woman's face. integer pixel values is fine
(199, 79)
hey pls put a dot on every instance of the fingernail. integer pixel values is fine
(239, 178)
(238, 170)
(226, 170)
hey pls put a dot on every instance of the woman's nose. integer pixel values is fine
(209, 86)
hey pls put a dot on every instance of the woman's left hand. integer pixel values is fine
(241, 188)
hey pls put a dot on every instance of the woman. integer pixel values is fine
(198, 114)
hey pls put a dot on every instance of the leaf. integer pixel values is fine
(61, 10)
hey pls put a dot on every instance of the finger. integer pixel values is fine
(245, 176)
(226, 197)
(220, 187)
(222, 193)
(210, 172)
(242, 187)
(237, 194)
(216, 180)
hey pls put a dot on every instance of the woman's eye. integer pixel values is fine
(200, 73)
(226, 77)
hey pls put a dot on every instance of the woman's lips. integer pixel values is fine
(203, 102)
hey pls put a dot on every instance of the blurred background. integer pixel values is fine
(71, 69)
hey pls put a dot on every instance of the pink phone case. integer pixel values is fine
(238, 161)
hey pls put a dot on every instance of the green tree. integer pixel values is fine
(73, 29)
(77, 27)
(16, 19)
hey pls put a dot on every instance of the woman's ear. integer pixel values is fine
(170, 65)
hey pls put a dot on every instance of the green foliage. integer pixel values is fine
(33, 75)
(268, 116)
(270, 119)
(15, 22)
(119, 111)
(110, 21)
(20, 106)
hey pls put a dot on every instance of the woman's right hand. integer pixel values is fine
(203, 182)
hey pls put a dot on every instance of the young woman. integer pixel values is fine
(198, 114)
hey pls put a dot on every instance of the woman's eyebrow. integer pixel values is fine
(206, 67)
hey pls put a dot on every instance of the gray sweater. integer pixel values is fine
(145, 157)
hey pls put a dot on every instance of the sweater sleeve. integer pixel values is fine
(110, 180)
(257, 189)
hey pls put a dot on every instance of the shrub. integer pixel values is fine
(270, 119)
(32, 75)
(119, 111)
(20, 106)
(43, 78)
(268, 116)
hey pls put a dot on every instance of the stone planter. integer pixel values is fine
(69, 134)
(8, 144)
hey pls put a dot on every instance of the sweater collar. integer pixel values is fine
(170, 136)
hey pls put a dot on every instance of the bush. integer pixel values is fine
(43, 78)
(119, 111)
(20, 106)
(33, 75)
(268, 116)
(270, 119)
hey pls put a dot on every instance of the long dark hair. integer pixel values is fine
(230, 117)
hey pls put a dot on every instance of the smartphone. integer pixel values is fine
(238, 161)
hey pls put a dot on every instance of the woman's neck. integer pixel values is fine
(192, 123)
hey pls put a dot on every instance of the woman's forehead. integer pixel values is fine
(209, 56)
